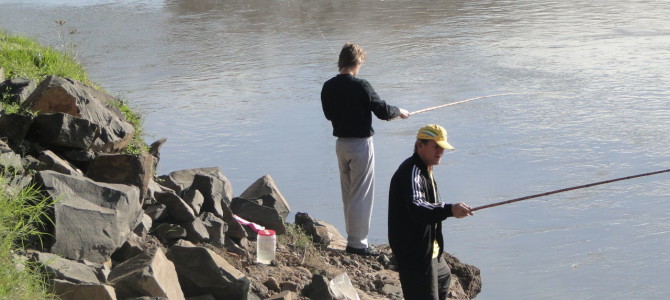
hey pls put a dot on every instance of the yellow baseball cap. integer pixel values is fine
(435, 132)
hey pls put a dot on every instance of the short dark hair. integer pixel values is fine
(422, 141)
(351, 56)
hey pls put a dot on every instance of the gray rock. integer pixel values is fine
(201, 271)
(79, 158)
(216, 228)
(148, 274)
(233, 247)
(156, 212)
(318, 231)
(194, 199)
(66, 290)
(265, 188)
(155, 147)
(202, 297)
(18, 88)
(144, 227)
(14, 127)
(4, 147)
(61, 95)
(11, 162)
(318, 288)
(196, 231)
(63, 131)
(469, 277)
(51, 161)
(91, 219)
(18, 183)
(133, 246)
(259, 214)
(212, 189)
(182, 179)
(128, 169)
(235, 229)
(272, 284)
(176, 207)
(170, 232)
(152, 188)
(390, 289)
(285, 295)
(65, 269)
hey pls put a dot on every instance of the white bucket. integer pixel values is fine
(266, 243)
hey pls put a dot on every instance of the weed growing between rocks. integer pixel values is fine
(21, 216)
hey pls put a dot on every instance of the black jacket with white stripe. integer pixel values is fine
(415, 215)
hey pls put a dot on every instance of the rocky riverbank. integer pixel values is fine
(120, 232)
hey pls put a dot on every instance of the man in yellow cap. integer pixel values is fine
(415, 218)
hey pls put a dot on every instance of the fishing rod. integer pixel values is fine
(459, 102)
(567, 189)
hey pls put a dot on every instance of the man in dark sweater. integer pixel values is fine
(415, 219)
(349, 102)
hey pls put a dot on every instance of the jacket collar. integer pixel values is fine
(419, 162)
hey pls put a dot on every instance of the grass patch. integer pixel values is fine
(23, 57)
(21, 214)
(137, 145)
(26, 58)
(296, 237)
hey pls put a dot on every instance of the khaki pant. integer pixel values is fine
(356, 160)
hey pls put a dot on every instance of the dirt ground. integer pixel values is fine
(293, 268)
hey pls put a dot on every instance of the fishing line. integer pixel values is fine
(462, 101)
(567, 189)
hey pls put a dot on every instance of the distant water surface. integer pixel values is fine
(236, 84)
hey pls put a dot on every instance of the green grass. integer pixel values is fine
(21, 214)
(296, 237)
(137, 145)
(25, 58)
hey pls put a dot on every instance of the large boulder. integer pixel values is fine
(212, 184)
(62, 95)
(91, 219)
(63, 131)
(128, 169)
(201, 271)
(265, 189)
(148, 274)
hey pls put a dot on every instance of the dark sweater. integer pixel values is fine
(415, 215)
(348, 102)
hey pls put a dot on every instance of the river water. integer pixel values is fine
(236, 84)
